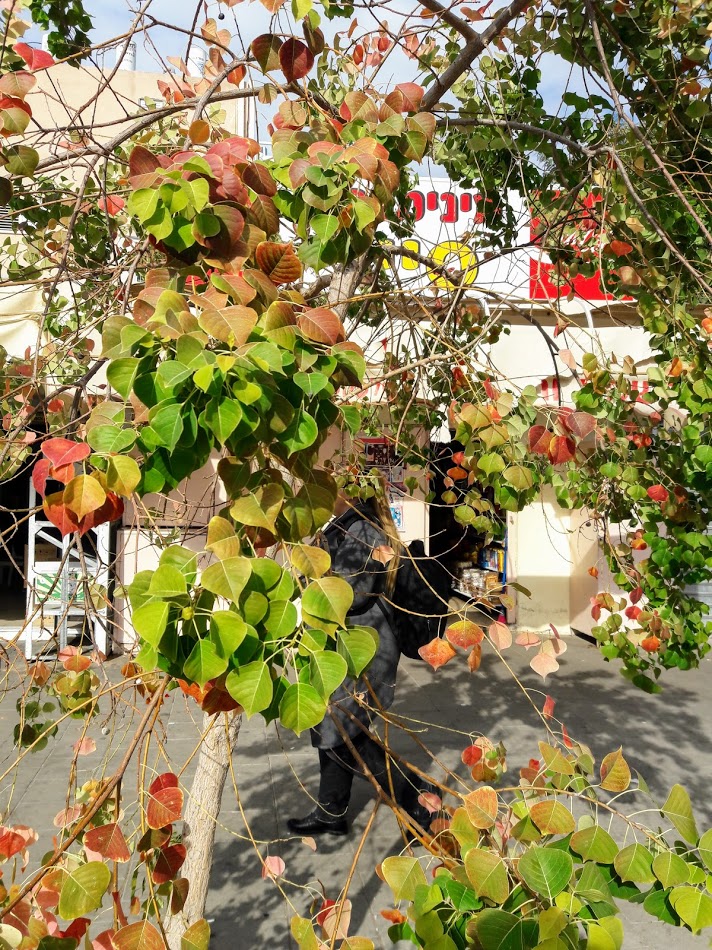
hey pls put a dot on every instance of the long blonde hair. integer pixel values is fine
(385, 518)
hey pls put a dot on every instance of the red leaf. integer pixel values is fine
(258, 178)
(472, 755)
(437, 653)
(561, 449)
(580, 424)
(658, 493)
(635, 595)
(548, 710)
(77, 664)
(620, 248)
(104, 940)
(11, 843)
(266, 49)
(109, 842)
(62, 452)
(165, 801)
(35, 58)
(539, 438)
(274, 867)
(170, 860)
(142, 162)
(278, 261)
(40, 474)
(111, 510)
(296, 59)
(632, 613)
(322, 325)
(565, 736)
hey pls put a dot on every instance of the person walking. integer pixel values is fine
(353, 537)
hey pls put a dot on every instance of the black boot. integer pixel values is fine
(323, 820)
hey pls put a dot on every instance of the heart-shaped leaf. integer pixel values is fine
(301, 707)
(165, 801)
(231, 325)
(279, 262)
(322, 325)
(295, 59)
(251, 686)
(109, 842)
(266, 49)
(83, 495)
(204, 663)
(227, 578)
(326, 602)
(83, 890)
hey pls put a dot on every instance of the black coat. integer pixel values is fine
(351, 542)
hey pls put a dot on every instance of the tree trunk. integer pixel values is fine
(201, 814)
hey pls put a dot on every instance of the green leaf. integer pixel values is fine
(83, 890)
(311, 383)
(150, 621)
(546, 871)
(499, 930)
(280, 620)
(326, 602)
(251, 686)
(168, 582)
(705, 847)
(657, 904)
(167, 423)
(196, 937)
(106, 439)
(300, 433)
(487, 873)
(694, 907)
(143, 203)
(222, 417)
(403, 875)
(678, 810)
(227, 631)
(594, 844)
(325, 226)
(122, 475)
(260, 508)
(227, 578)
(310, 561)
(552, 818)
(204, 663)
(635, 863)
(121, 375)
(519, 477)
(183, 559)
(491, 463)
(301, 708)
(358, 647)
(670, 869)
(327, 671)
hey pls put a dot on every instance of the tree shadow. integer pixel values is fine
(663, 736)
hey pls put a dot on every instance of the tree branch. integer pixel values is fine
(471, 51)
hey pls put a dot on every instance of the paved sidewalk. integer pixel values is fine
(665, 737)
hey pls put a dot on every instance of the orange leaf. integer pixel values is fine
(561, 449)
(482, 807)
(165, 801)
(464, 634)
(651, 644)
(322, 325)
(109, 842)
(658, 493)
(394, 916)
(278, 261)
(543, 664)
(199, 131)
(273, 867)
(84, 746)
(437, 653)
(500, 635)
(620, 248)
(475, 658)
(139, 936)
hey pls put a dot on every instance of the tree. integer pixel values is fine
(229, 290)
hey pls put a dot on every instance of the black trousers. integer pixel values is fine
(339, 765)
